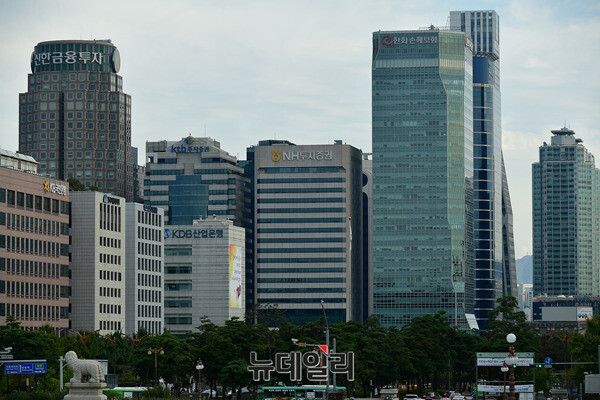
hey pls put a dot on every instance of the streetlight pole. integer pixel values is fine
(199, 367)
(504, 369)
(156, 351)
(327, 357)
(511, 361)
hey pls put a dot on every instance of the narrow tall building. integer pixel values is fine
(493, 237)
(75, 118)
(422, 94)
(98, 262)
(566, 212)
(144, 269)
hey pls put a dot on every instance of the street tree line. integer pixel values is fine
(428, 352)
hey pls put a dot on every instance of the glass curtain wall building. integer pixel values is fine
(75, 118)
(422, 90)
(566, 212)
(494, 267)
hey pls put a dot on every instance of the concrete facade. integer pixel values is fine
(98, 262)
(144, 269)
(204, 265)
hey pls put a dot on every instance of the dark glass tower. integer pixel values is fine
(422, 89)
(494, 259)
(75, 119)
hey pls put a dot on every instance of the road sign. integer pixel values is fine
(548, 361)
(25, 368)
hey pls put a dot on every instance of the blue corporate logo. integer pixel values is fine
(167, 233)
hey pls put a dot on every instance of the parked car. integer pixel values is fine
(411, 396)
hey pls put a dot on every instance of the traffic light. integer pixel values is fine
(301, 344)
(539, 365)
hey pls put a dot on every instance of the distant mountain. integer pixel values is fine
(525, 269)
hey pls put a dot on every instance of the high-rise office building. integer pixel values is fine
(144, 268)
(566, 212)
(75, 118)
(34, 245)
(422, 93)
(97, 262)
(494, 259)
(308, 229)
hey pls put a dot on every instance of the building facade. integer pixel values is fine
(192, 179)
(422, 98)
(495, 263)
(75, 118)
(566, 212)
(34, 245)
(308, 230)
(204, 265)
(98, 262)
(144, 269)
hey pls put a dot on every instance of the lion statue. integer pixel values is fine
(84, 370)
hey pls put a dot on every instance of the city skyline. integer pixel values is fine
(301, 71)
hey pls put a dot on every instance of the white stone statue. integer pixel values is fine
(84, 370)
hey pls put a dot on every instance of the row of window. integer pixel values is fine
(110, 242)
(110, 292)
(110, 217)
(149, 234)
(149, 249)
(152, 327)
(145, 311)
(110, 325)
(110, 259)
(33, 311)
(33, 268)
(153, 296)
(30, 201)
(110, 308)
(149, 218)
(33, 246)
(110, 275)
(34, 225)
(33, 290)
(149, 280)
(149, 265)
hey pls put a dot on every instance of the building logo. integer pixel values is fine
(386, 40)
(189, 140)
(167, 233)
(111, 200)
(54, 188)
(276, 156)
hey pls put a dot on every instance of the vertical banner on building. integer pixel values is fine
(235, 276)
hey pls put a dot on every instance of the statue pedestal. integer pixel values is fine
(85, 391)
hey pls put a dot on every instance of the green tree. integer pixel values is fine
(75, 185)
(584, 348)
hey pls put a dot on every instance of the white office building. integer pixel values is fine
(204, 265)
(97, 262)
(144, 269)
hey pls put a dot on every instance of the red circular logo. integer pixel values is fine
(386, 40)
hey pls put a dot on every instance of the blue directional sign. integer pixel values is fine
(548, 361)
(25, 368)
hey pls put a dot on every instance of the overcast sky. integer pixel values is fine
(243, 71)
